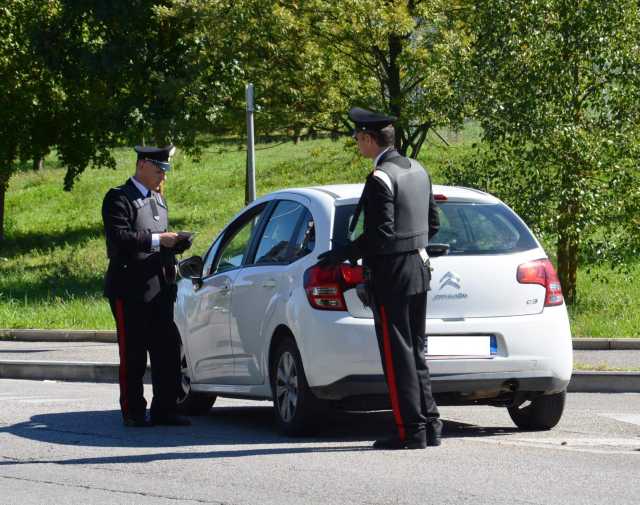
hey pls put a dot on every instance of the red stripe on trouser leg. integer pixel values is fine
(122, 350)
(391, 374)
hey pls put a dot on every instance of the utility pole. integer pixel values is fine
(250, 185)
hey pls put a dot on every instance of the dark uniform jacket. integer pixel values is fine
(135, 271)
(398, 221)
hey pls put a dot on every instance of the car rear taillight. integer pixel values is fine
(325, 285)
(440, 197)
(542, 272)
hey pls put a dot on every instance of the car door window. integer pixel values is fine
(305, 240)
(210, 256)
(278, 236)
(237, 241)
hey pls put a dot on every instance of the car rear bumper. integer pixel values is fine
(336, 347)
(449, 388)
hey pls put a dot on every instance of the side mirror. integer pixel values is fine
(434, 250)
(191, 268)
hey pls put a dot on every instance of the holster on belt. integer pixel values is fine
(364, 290)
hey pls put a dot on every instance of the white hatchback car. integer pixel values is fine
(260, 319)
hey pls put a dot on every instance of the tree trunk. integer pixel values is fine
(567, 267)
(3, 190)
(568, 246)
(38, 163)
(394, 87)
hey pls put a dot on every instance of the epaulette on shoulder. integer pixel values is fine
(132, 195)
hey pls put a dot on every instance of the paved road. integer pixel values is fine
(108, 353)
(63, 443)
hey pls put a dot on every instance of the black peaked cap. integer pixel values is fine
(369, 120)
(155, 153)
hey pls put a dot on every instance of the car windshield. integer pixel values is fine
(469, 228)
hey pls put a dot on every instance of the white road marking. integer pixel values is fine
(625, 418)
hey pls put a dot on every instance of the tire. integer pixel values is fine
(293, 402)
(190, 403)
(543, 413)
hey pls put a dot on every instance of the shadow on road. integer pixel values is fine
(224, 427)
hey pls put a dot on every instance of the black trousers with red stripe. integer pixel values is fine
(147, 328)
(400, 328)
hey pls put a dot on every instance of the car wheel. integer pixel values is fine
(190, 403)
(293, 401)
(542, 413)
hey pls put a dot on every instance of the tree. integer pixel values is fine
(311, 60)
(83, 77)
(127, 77)
(30, 97)
(398, 56)
(557, 89)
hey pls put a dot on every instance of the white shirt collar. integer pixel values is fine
(375, 162)
(143, 190)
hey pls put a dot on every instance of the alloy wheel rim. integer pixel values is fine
(287, 387)
(185, 382)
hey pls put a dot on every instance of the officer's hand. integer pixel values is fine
(181, 246)
(168, 239)
(327, 258)
(332, 257)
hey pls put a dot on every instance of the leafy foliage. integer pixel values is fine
(311, 60)
(557, 89)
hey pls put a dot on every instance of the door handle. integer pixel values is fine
(270, 283)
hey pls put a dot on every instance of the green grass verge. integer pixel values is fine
(607, 304)
(53, 259)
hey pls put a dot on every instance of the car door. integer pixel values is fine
(263, 285)
(209, 344)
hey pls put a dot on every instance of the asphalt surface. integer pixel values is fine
(108, 353)
(64, 443)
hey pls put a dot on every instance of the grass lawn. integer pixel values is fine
(53, 258)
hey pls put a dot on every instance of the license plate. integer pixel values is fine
(480, 346)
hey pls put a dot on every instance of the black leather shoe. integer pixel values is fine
(434, 433)
(393, 443)
(170, 420)
(136, 422)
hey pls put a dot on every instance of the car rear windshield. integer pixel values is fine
(468, 228)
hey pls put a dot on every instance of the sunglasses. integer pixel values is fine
(162, 165)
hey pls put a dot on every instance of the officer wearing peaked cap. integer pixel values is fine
(140, 286)
(400, 216)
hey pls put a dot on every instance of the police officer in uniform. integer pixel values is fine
(140, 286)
(400, 216)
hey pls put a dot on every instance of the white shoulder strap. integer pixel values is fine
(384, 177)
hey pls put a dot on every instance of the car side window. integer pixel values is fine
(305, 240)
(236, 242)
(210, 256)
(278, 236)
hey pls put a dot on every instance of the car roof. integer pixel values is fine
(344, 194)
